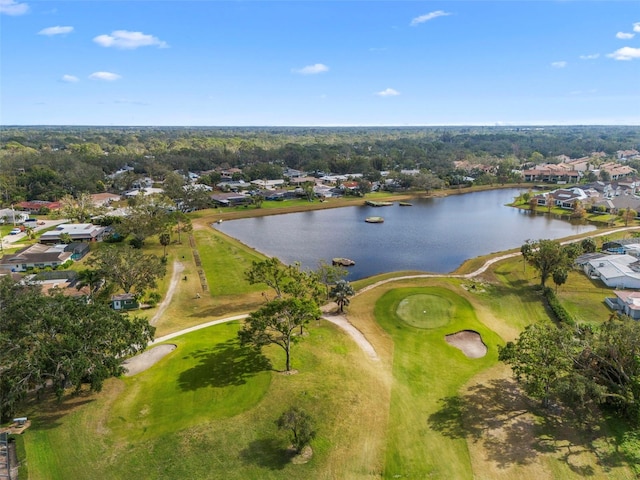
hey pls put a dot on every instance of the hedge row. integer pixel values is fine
(558, 310)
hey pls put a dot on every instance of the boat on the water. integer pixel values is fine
(373, 203)
(374, 219)
(405, 204)
(343, 262)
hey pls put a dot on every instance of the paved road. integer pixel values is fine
(9, 240)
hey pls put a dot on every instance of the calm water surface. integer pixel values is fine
(434, 235)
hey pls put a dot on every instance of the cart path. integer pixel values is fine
(341, 320)
(178, 268)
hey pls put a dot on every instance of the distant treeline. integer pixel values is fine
(48, 162)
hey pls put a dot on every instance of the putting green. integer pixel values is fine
(425, 311)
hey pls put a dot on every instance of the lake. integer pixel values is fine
(433, 235)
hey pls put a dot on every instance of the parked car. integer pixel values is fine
(15, 231)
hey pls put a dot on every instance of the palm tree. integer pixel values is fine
(29, 232)
(341, 292)
(165, 239)
(89, 278)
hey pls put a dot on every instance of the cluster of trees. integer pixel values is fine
(292, 304)
(552, 259)
(47, 163)
(60, 342)
(582, 367)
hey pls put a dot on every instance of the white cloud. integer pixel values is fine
(625, 36)
(57, 30)
(428, 16)
(625, 53)
(11, 7)
(106, 76)
(560, 64)
(592, 56)
(126, 40)
(636, 27)
(311, 69)
(70, 78)
(389, 92)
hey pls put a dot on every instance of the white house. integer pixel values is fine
(617, 271)
(627, 302)
(79, 232)
(268, 184)
(9, 215)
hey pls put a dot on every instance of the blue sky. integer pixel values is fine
(328, 63)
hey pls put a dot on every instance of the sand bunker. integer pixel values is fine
(469, 342)
(146, 359)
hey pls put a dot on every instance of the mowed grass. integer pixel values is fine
(425, 311)
(207, 411)
(425, 370)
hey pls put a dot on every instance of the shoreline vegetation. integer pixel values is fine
(373, 417)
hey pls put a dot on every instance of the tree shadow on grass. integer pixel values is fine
(223, 365)
(500, 416)
(267, 453)
(51, 411)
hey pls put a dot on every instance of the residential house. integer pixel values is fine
(35, 256)
(143, 191)
(624, 202)
(550, 172)
(79, 232)
(292, 173)
(9, 215)
(617, 271)
(34, 206)
(233, 185)
(124, 301)
(564, 197)
(279, 194)
(268, 184)
(630, 246)
(323, 191)
(616, 171)
(624, 155)
(301, 180)
(231, 199)
(627, 302)
(228, 173)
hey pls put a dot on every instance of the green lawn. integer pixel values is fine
(426, 369)
(207, 410)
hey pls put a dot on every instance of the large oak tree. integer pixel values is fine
(128, 267)
(60, 341)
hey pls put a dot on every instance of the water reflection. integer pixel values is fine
(434, 235)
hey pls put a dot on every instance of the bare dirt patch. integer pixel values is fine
(178, 268)
(469, 342)
(147, 359)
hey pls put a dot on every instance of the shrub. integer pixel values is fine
(556, 307)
